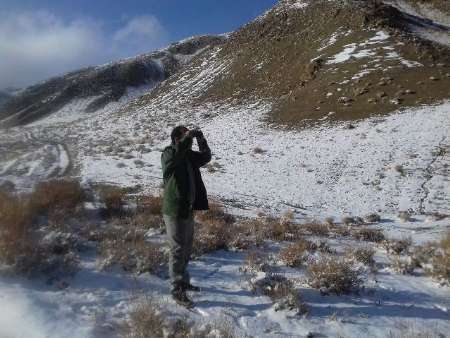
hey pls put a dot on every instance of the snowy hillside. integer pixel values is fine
(325, 111)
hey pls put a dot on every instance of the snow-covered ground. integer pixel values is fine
(95, 302)
(385, 164)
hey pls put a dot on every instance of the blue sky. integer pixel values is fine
(41, 38)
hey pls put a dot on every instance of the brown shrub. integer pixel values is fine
(148, 319)
(128, 248)
(64, 195)
(281, 291)
(317, 229)
(25, 248)
(404, 265)
(363, 255)
(15, 226)
(211, 237)
(333, 275)
(398, 246)
(144, 320)
(149, 205)
(114, 199)
(296, 255)
(215, 214)
(372, 218)
(441, 260)
(369, 235)
(255, 261)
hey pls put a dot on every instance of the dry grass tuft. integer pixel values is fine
(255, 261)
(333, 275)
(317, 229)
(297, 254)
(215, 214)
(128, 248)
(281, 291)
(114, 199)
(398, 246)
(149, 205)
(372, 218)
(404, 216)
(16, 225)
(440, 262)
(61, 195)
(404, 265)
(26, 249)
(211, 237)
(145, 320)
(148, 319)
(369, 235)
(362, 255)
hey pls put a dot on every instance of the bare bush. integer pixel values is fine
(215, 214)
(148, 318)
(281, 291)
(362, 255)
(255, 261)
(16, 218)
(26, 249)
(149, 205)
(114, 199)
(317, 229)
(369, 235)
(372, 218)
(128, 248)
(295, 255)
(144, 320)
(404, 265)
(65, 195)
(333, 275)
(398, 246)
(211, 237)
(441, 260)
(404, 216)
(348, 220)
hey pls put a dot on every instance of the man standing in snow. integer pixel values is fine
(184, 192)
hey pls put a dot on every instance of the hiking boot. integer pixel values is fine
(180, 297)
(190, 287)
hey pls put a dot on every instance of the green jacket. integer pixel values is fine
(175, 162)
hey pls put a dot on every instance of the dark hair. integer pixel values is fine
(177, 132)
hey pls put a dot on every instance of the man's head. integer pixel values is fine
(178, 133)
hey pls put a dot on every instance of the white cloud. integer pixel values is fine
(35, 46)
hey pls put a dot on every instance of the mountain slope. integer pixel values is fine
(102, 84)
(335, 60)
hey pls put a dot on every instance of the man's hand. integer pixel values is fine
(197, 133)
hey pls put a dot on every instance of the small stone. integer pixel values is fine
(382, 83)
(410, 92)
(396, 101)
(371, 100)
(434, 78)
(361, 91)
(400, 93)
(349, 126)
(419, 83)
(344, 99)
(381, 94)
